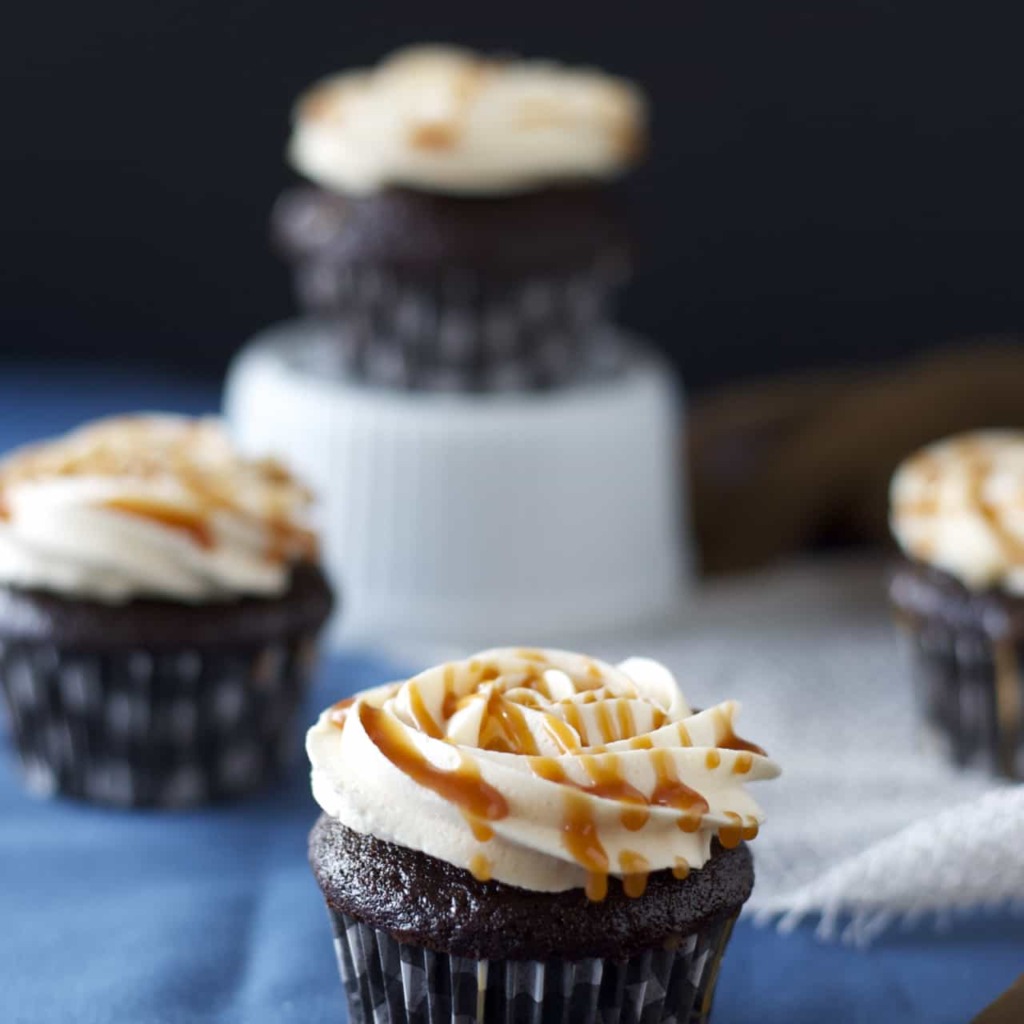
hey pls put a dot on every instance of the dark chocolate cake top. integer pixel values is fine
(423, 900)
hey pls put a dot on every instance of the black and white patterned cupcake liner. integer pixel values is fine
(461, 333)
(155, 728)
(970, 691)
(388, 982)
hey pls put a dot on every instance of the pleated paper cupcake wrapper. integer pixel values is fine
(463, 334)
(155, 728)
(971, 694)
(387, 982)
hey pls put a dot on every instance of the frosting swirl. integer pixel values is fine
(149, 506)
(958, 505)
(442, 119)
(543, 769)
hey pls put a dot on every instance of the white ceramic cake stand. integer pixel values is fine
(477, 519)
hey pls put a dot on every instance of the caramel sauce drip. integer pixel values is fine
(636, 869)
(480, 867)
(504, 728)
(421, 716)
(548, 768)
(605, 725)
(733, 834)
(188, 521)
(730, 741)
(713, 759)
(671, 791)
(574, 720)
(562, 734)
(581, 840)
(681, 869)
(626, 721)
(462, 786)
(481, 833)
(608, 783)
(743, 763)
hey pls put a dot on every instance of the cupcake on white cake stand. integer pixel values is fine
(494, 461)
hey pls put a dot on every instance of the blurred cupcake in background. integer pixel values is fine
(957, 513)
(459, 232)
(532, 835)
(160, 599)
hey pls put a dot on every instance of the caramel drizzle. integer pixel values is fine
(636, 869)
(729, 740)
(504, 728)
(736, 831)
(96, 454)
(977, 466)
(579, 834)
(421, 716)
(188, 521)
(462, 786)
(671, 791)
(480, 867)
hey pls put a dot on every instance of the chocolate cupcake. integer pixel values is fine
(532, 835)
(957, 513)
(459, 232)
(160, 600)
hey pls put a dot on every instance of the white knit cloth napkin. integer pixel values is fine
(866, 826)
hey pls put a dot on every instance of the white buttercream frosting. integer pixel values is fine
(959, 505)
(443, 119)
(543, 769)
(149, 506)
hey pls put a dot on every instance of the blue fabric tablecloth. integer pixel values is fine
(170, 918)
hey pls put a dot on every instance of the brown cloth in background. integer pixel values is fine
(1007, 1009)
(786, 464)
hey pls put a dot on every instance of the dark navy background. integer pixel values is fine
(831, 182)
